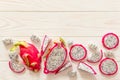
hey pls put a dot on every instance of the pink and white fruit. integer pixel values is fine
(45, 44)
(108, 66)
(16, 67)
(110, 41)
(85, 67)
(29, 54)
(95, 57)
(55, 59)
(77, 52)
(65, 66)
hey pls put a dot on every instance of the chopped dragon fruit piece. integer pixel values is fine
(45, 45)
(85, 67)
(95, 57)
(65, 66)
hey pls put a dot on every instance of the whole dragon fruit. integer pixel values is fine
(29, 54)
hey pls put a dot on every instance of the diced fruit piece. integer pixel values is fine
(85, 67)
(65, 66)
(95, 57)
(45, 45)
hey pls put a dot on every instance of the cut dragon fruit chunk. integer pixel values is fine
(85, 67)
(35, 39)
(65, 66)
(95, 57)
(45, 44)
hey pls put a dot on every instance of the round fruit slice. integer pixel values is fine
(16, 67)
(108, 66)
(95, 57)
(55, 59)
(77, 52)
(85, 67)
(110, 41)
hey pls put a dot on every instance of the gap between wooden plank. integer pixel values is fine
(64, 11)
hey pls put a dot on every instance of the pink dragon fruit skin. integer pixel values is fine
(31, 57)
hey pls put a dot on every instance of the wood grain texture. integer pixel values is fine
(60, 5)
(81, 21)
(56, 24)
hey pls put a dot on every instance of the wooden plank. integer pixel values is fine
(56, 24)
(81, 21)
(61, 5)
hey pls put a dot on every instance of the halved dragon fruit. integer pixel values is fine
(110, 41)
(95, 57)
(85, 67)
(78, 52)
(16, 67)
(55, 59)
(108, 66)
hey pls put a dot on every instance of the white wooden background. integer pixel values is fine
(82, 21)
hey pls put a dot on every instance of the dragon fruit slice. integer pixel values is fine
(85, 67)
(55, 59)
(95, 57)
(65, 66)
(16, 67)
(77, 52)
(108, 66)
(110, 41)
(45, 45)
(29, 54)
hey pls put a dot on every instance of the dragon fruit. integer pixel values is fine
(29, 54)
(95, 54)
(16, 67)
(85, 67)
(56, 57)
(110, 41)
(108, 66)
(77, 52)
